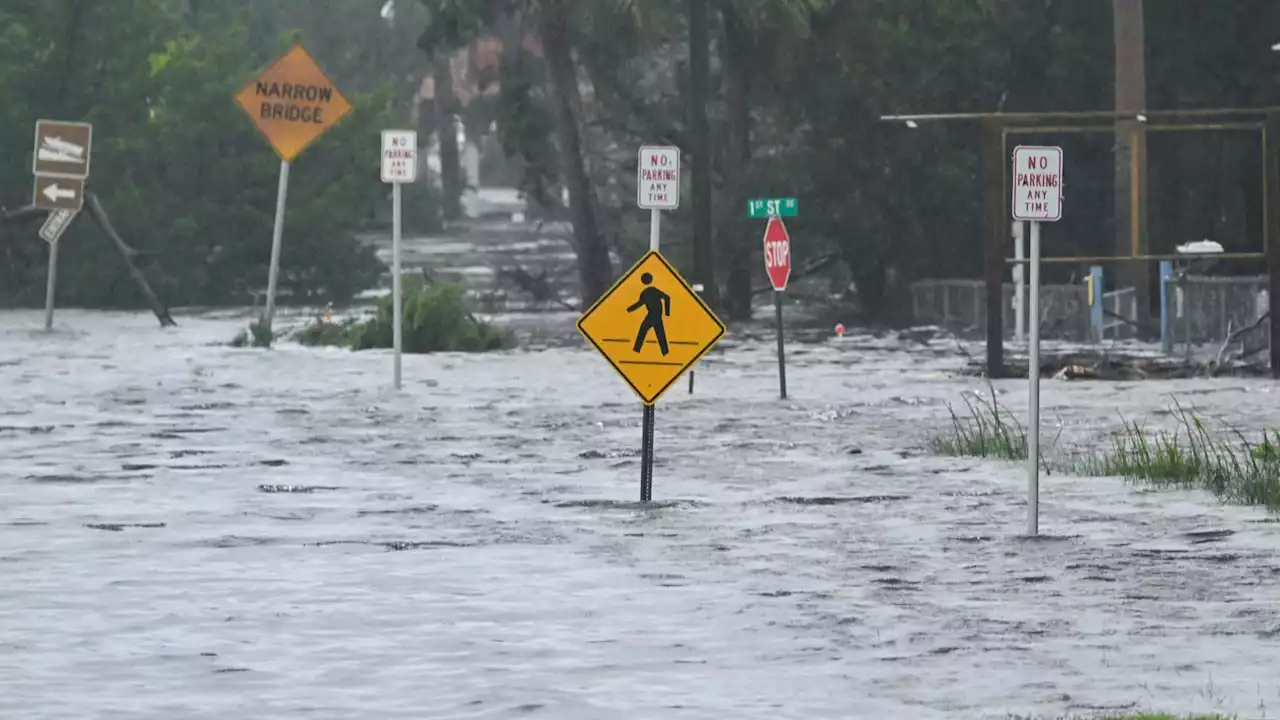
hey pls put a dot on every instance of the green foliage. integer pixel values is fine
(436, 319)
(985, 432)
(181, 170)
(1147, 716)
(1190, 456)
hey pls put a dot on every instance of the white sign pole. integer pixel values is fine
(49, 286)
(277, 237)
(399, 166)
(1019, 283)
(1037, 197)
(655, 225)
(1033, 403)
(397, 297)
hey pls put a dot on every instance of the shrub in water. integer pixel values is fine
(436, 319)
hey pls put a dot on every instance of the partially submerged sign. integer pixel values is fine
(1037, 183)
(658, 178)
(293, 103)
(651, 326)
(56, 224)
(399, 156)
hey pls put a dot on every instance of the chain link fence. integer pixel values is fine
(1202, 309)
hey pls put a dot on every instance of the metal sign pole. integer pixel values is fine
(50, 285)
(277, 236)
(397, 299)
(647, 424)
(782, 356)
(1033, 376)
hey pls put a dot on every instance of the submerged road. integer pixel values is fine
(193, 531)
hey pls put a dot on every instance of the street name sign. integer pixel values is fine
(399, 156)
(56, 224)
(777, 253)
(1037, 183)
(760, 208)
(293, 103)
(651, 326)
(658, 178)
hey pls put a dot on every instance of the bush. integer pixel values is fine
(436, 319)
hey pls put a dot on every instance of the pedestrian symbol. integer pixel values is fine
(651, 327)
(656, 304)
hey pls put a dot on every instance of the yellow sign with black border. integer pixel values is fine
(651, 326)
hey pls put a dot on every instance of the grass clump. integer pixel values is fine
(435, 319)
(985, 431)
(1152, 716)
(1190, 456)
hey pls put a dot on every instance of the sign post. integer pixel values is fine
(777, 263)
(1037, 197)
(651, 326)
(292, 103)
(657, 189)
(399, 166)
(60, 164)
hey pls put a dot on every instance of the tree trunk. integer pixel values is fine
(735, 58)
(446, 133)
(595, 271)
(704, 256)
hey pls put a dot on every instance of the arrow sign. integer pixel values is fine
(55, 193)
(777, 253)
(58, 193)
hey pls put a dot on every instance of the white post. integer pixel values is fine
(1019, 283)
(50, 285)
(655, 223)
(1033, 376)
(397, 301)
(277, 235)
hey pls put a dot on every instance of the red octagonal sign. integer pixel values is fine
(777, 253)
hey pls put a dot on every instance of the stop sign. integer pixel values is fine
(777, 253)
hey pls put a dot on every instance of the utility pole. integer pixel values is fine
(1131, 153)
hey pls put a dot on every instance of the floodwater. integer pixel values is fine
(189, 530)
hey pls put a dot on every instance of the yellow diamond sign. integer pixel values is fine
(651, 326)
(293, 103)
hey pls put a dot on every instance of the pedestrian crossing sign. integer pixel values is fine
(651, 326)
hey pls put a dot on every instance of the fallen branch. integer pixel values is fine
(21, 213)
(100, 217)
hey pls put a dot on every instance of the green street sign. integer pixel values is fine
(766, 207)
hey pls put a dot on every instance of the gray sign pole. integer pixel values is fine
(397, 299)
(50, 285)
(277, 236)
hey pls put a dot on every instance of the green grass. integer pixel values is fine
(1151, 716)
(985, 431)
(1190, 456)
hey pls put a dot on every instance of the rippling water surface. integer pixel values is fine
(193, 531)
